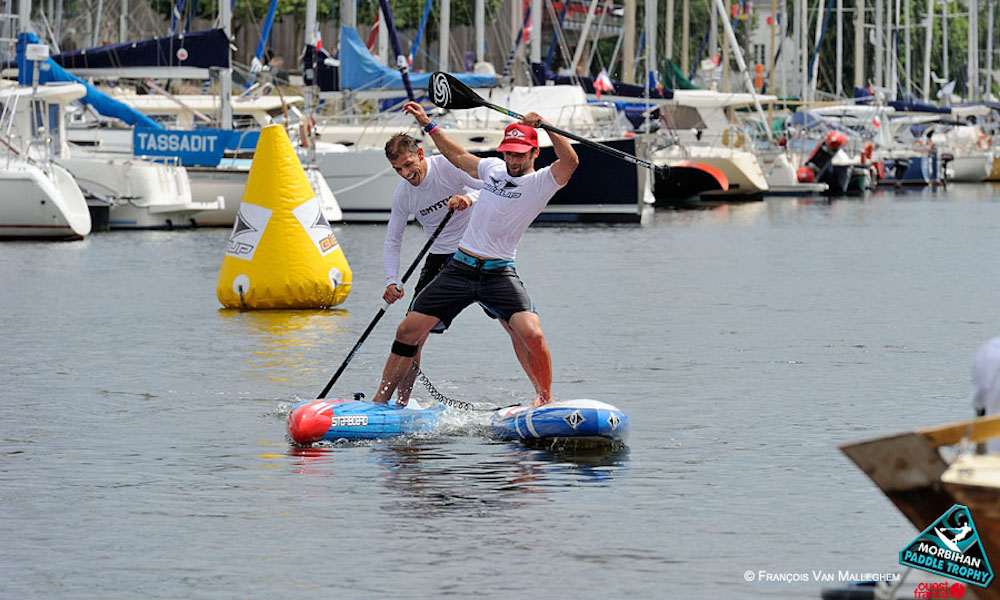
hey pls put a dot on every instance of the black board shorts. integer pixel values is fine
(499, 291)
(432, 266)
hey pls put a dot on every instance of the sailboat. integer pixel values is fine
(124, 191)
(216, 177)
(41, 200)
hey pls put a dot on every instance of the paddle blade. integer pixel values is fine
(448, 92)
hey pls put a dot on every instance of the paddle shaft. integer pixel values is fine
(381, 312)
(635, 160)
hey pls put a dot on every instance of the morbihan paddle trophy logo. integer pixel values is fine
(950, 547)
(440, 89)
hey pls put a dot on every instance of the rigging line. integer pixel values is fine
(597, 39)
(365, 181)
(561, 36)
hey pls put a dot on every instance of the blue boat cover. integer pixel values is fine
(360, 71)
(102, 103)
(201, 49)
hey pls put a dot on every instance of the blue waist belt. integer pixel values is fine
(481, 263)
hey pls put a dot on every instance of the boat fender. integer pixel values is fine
(835, 140)
(805, 175)
(866, 152)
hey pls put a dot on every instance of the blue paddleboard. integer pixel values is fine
(579, 419)
(332, 420)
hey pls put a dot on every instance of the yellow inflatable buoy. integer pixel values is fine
(282, 252)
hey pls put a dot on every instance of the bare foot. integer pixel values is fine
(539, 401)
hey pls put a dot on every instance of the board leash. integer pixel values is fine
(459, 404)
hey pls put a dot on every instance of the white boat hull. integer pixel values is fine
(41, 205)
(145, 195)
(363, 182)
(971, 168)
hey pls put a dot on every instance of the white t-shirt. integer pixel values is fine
(506, 207)
(427, 202)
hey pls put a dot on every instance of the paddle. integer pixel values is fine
(448, 92)
(381, 311)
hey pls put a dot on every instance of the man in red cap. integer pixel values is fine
(482, 269)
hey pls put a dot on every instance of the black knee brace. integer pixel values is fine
(401, 349)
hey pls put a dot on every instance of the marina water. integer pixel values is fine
(143, 451)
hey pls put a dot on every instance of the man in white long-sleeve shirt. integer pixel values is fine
(430, 182)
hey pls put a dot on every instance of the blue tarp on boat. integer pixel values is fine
(360, 71)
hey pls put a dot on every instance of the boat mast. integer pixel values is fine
(445, 36)
(582, 43)
(536, 31)
(668, 38)
(803, 49)
(651, 64)
(480, 31)
(988, 88)
(738, 55)
(311, 41)
(226, 74)
(96, 31)
(973, 52)
(928, 40)
(944, 40)
(839, 87)
(814, 62)
(859, 44)
(122, 23)
(772, 51)
(713, 36)
(879, 44)
(893, 49)
(628, 52)
(909, 50)
(685, 36)
(725, 48)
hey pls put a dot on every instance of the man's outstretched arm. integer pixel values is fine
(455, 154)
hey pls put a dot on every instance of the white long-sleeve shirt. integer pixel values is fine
(427, 202)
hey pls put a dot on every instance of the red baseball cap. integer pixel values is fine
(518, 138)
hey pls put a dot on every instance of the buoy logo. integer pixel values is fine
(251, 221)
(950, 547)
(310, 216)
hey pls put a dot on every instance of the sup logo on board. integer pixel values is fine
(574, 419)
(251, 221)
(950, 547)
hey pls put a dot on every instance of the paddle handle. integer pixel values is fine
(381, 312)
(635, 160)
